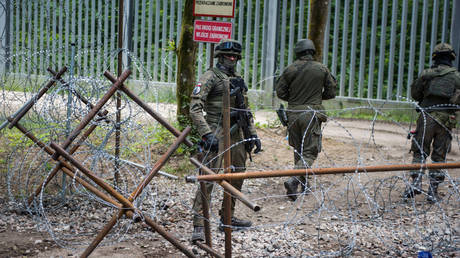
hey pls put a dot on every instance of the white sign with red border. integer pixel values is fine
(214, 8)
(211, 31)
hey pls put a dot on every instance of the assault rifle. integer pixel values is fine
(241, 117)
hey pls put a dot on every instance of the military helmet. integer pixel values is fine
(443, 48)
(304, 45)
(229, 47)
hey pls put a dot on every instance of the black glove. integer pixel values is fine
(256, 141)
(211, 142)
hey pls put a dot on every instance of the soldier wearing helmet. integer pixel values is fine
(304, 85)
(434, 89)
(206, 115)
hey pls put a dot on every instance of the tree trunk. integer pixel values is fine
(318, 20)
(186, 59)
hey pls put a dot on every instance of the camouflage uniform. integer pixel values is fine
(435, 122)
(207, 96)
(304, 84)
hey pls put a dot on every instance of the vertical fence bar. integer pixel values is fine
(300, 20)
(283, 35)
(106, 50)
(112, 31)
(421, 61)
(25, 17)
(42, 38)
(354, 42)
(178, 29)
(142, 41)
(135, 39)
(256, 45)
(36, 37)
(17, 59)
(362, 49)
(383, 31)
(327, 37)
(171, 37)
(434, 27)
(263, 57)
(247, 48)
(79, 40)
(402, 52)
(163, 40)
(291, 31)
(335, 43)
(445, 17)
(272, 10)
(200, 59)
(30, 36)
(370, 83)
(308, 18)
(394, 22)
(87, 32)
(93, 58)
(157, 39)
(149, 39)
(343, 67)
(454, 35)
(413, 39)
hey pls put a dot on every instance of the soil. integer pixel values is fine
(346, 214)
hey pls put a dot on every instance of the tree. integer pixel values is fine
(186, 60)
(318, 20)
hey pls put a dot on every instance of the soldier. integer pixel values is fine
(207, 97)
(434, 90)
(304, 84)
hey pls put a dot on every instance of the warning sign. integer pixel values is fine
(211, 31)
(214, 8)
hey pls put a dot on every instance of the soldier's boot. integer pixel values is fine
(198, 234)
(433, 191)
(414, 188)
(236, 222)
(291, 187)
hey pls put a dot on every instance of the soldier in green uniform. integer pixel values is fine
(434, 90)
(304, 84)
(206, 114)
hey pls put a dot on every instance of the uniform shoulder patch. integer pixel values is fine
(197, 89)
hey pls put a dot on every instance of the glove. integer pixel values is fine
(257, 143)
(211, 142)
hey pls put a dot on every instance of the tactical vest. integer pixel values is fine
(439, 85)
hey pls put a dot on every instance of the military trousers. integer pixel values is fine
(305, 137)
(214, 161)
(433, 136)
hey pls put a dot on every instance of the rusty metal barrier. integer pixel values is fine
(69, 164)
(320, 171)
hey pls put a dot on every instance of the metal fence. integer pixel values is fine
(375, 48)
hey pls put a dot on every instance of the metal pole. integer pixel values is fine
(227, 168)
(321, 171)
(69, 108)
(118, 95)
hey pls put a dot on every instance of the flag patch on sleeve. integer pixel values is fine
(197, 89)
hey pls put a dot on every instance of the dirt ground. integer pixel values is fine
(345, 143)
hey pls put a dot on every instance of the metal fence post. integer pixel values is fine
(455, 28)
(5, 32)
(270, 58)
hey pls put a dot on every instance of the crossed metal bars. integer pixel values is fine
(69, 164)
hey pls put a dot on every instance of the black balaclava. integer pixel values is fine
(226, 65)
(443, 58)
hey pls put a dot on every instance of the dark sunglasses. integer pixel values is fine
(229, 46)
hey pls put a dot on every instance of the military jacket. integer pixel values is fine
(435, 86)
(305, 82)
(206, 101)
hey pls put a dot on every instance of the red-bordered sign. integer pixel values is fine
(214, 8)
(211, 31)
